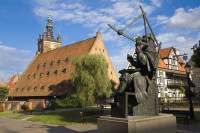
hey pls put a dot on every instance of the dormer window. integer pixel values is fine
(56, 72)
(45, 64)
(64, 70)
(38, 66)
(41, 74)
(58, 61)
(42, 88)
(35, 88)
(29, 88)
(52, 62)
(34, 75)
(67, 60)
(48, 73)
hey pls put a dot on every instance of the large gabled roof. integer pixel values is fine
(45, 76)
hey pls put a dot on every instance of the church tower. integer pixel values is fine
(47, 42)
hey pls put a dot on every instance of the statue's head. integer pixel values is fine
(149, 36)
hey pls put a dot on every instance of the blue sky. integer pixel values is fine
(175, 23)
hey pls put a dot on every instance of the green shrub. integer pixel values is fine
(25, 107)
(1, 108)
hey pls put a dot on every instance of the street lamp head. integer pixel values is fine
(185, 57)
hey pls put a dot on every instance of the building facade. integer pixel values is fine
(48, 74)
(171, 76)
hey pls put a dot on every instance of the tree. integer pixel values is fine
(90, 78)
(182, 90)
(3, 92)
(196, 57)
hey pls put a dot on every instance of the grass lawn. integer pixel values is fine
(6, 113)
(73, 117)
(59, 118)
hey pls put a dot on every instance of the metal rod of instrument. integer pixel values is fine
(145, 28)
(132, 22)
(112, 27)
(149, 25)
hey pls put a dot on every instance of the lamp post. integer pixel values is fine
(187, 68)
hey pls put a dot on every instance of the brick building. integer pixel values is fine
(48, 73)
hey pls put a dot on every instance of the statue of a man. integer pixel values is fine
(141, 80)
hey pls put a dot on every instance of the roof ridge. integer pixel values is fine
(67, 46)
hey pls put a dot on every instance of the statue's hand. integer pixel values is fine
(129, 58)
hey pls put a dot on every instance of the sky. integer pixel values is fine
(174, 22)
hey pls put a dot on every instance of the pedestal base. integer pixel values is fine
(164, 123)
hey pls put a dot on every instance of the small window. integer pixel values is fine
(41, 74)
(111, 72)
(42, 88)
(56, 72)
(99, 49)
(45, 64)
(29, 76)
(22, 89)
(67, 60)
(17, 89)
(96, 49)
(35, 88)
(38, 66)
(59, 61)
(48, 73)
(64, 70)
(103, 50)
(52, 62)
(35, 75)
(29, 88)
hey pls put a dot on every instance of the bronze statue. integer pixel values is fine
(138, 93)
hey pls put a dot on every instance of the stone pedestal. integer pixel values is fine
(164, 123)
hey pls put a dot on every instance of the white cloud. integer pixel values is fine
(162, 19)
(180, 39)
(186, 19)
(118, 14)
(156, 3)
(120, 59)
(13, 61)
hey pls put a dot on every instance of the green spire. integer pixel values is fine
(49, 26)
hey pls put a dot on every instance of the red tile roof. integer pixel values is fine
(48, 85)
(164, 53)
(162, 64)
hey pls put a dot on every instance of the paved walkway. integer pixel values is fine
(23, 126)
